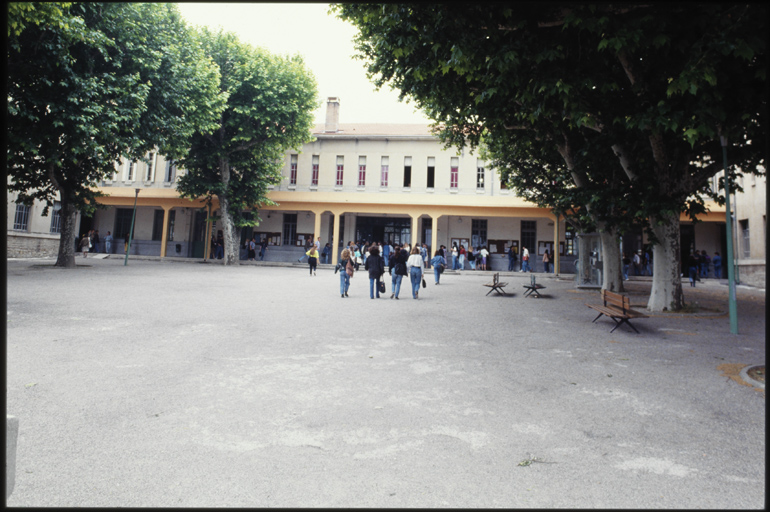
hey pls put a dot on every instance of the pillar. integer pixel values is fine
(317, 227)
(415, 229)
(164, 235)
(433, 236)
(335, 238)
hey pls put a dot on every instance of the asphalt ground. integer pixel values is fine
(168, 384)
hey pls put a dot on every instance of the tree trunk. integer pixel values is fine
(232, 254)
(612, 275)
(666, 293)
(66, 257)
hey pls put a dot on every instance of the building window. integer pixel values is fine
(431, 172)
(361, 171)
(339, 180)
(150, 175)
(21, 220)
(407, 171)
(314, 177)
(529, 236)
(293, 171)
(56, 218)
(130, 166)
(289, 228)
(503, 183)
(479, 174)
(122, 222)
(384, 171)
(478, 232)
(454, 172)
(569, 241)
(170, 171)
(745, 235)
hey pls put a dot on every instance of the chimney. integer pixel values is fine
(332, 115)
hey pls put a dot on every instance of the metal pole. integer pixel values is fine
(131, 233)
(730, 263)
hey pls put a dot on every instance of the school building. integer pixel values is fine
(370, 182)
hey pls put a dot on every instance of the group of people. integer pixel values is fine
(401, 260)
(89, 242)
(642, 263)
(253, 244)
(526, 261)
(698, 266)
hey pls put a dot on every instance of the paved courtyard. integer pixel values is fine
(170, 384)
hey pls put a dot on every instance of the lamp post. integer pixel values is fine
(131, 233)
(733, 307)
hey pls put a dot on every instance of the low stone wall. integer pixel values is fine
(31, 245)
(751, 272)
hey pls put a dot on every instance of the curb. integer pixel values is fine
(744, 374)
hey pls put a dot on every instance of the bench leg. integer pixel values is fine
(597, 318)
(622, 321)
(490, 291)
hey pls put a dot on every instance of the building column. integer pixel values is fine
(415, 229)
(164, 235)
(317, 227)
(555, 258)
(335, 238)
(433, 236)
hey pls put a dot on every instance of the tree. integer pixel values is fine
(658, 82)
(89, 83)
(270, 100)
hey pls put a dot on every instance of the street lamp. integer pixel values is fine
(733, 307)
(131, 233)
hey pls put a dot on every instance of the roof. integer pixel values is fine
(369, 129)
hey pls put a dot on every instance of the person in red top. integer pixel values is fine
(462, 257)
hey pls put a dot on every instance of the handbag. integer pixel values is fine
(381, 286)
(423, 283)
(441, 269)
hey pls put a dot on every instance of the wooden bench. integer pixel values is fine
(618, 308)
(533, 287)
(496, 285)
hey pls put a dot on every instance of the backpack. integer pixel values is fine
(350, 268)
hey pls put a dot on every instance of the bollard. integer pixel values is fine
(11, 435)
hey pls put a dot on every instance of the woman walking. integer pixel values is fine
(397, 269)
(312, 259)
(376, 267)
(546, 262)
(85, 243)
(439, 263)
(462, 257)
(346, 271)
(414, 265)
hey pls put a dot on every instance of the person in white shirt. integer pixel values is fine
(414, 266)
(484, 255)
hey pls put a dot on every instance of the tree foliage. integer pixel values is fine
(89, 83)
(655, 84)
(270, 100)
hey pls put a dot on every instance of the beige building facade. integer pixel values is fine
(362, 182)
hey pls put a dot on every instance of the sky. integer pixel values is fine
(326, 45)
